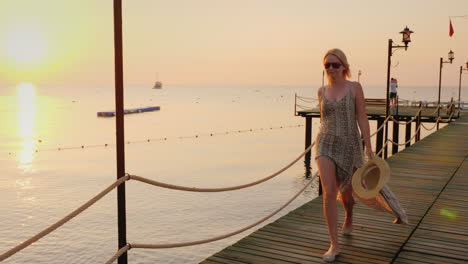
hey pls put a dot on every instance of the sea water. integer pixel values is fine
(55, 154)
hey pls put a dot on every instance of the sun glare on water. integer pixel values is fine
(26, 95)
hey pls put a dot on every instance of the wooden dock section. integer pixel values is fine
(431, 180)
(377, 111)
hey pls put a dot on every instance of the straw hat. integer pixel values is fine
(371, 177)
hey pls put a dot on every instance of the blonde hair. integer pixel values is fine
(342, 58)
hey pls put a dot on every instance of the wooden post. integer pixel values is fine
(408, 132)
(120, 128)
(396, 135)
(308, 132)
(379, 138)
(308, 142)
(418, 123)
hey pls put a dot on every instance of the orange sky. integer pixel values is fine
(255, 42)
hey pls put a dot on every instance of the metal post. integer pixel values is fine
(418, 123)
(440, 82)
(379, 138)
(408, 132)
(295, 104)
(390, 42)
(396, 131)
(119, 121)
(459, 90)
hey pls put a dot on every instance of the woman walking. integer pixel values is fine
(339, 149)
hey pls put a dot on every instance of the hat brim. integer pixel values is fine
(375, 165)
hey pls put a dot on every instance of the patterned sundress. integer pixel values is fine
(339, 140)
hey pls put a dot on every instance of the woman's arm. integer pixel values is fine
(361, 118)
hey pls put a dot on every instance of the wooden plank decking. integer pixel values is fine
(431, 180)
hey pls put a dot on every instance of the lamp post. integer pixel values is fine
(406, 34)
(459, 86)
(450, 57)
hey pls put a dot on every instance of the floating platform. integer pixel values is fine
(129, 111)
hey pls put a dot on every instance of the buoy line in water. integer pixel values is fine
(162, 138)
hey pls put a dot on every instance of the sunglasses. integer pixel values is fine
(335, 65)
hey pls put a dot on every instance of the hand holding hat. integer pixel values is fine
(371, 177)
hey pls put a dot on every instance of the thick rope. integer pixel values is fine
(409, 121)
(306, 99)
(302, 107)
(184, 244)
(448, 119)
(195, 189)
(63, 220)
(437, 108)
(119, 253)
(435, 124)
(409, 140)
(380, 128)
(415, 133)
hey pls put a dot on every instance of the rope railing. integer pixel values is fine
(387, 120)
(409, 140)
(62, 221)
(306, 99)
(203, 241)
(119, 253)
(303, 107)
(383, 147)
(380, 128)
(437, 108)
(438, 119)
(224, 189)
(435, 124)
(409, 121)
(152, 182)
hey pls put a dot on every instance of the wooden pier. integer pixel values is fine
(431, 180)
(375, 109)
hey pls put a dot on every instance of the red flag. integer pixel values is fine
(451, 29)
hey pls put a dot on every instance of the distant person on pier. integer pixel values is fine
(339, 150)
(393, 92)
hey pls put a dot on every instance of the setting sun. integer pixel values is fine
(25, 44)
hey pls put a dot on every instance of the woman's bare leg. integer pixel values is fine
(348, 204)
(327, 172)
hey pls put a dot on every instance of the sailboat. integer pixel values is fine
(157, 84)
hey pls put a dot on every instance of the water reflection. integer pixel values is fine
(26, 99)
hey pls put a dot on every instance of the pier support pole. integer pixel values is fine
(440, 84)
(418, 132)
(408, 132)
(379, 138)
(308, 132)
(119, 121)
(308, 155)
(396, 134)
